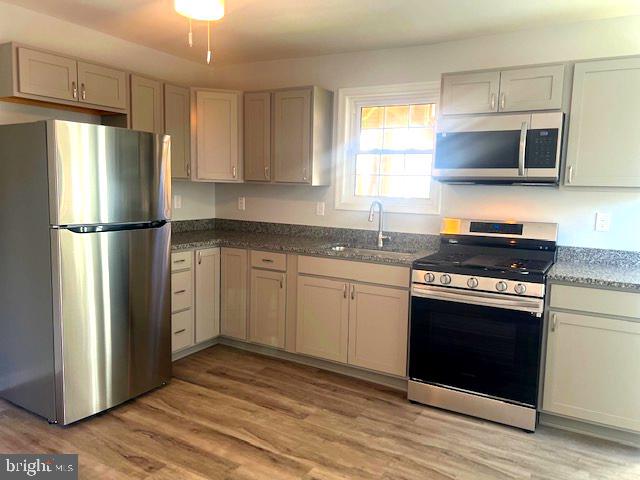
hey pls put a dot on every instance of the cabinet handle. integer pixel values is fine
(83, 92)
(74, 88)
(180, 331)
(234, 171)
(353, 292)
(179, 292)
(493, 101)
(179, 261)
(554, 322)
(304, 174)
(570, 175)
(282, 282)
(344, 291)
(199, 258)
(188, 169)
(267, 260)
(503, 100)
(266, 172)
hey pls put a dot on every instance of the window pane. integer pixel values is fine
(396, 116)
(370, 140)
(420, 139)
(396, 139)
(404, 186)
(423, 115)
(367, 164)
(392, 165)
(371, 117)
(415, 164)
(367, 185)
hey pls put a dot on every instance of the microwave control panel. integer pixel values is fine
(542, 148)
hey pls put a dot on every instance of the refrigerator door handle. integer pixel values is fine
(115, 227)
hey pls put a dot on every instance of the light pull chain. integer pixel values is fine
(208, 43)
(190, 34)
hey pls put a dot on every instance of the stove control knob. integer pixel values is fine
(429, 277)
(445, 279)
(520, 288)
(501, 286)
(472, 282)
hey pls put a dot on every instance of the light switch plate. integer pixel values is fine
(177, 201)
(603, 222)
(241, 203)
(320, 208)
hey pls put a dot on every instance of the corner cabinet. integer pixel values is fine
(509, 90)
(603, 146)
(177, 123)
(216, 135)
(593, 358)
(288, 136)
(147, 105)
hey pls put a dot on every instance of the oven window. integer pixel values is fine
(477, 149)
(486, 350)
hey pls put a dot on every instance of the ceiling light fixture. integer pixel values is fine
(203, 10)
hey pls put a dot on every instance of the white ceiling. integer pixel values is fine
(255, 30)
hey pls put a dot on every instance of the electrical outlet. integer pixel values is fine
(320, 208)
(241, 203)
(603, 222)
(177, 201)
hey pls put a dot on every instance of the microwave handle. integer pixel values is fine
(523, 148)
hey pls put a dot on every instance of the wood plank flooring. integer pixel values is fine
(229, 414)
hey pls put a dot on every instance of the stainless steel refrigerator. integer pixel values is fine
(84, 266)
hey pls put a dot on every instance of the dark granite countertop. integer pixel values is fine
(293, 244)
(597, 275)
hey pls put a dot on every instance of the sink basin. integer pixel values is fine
(368, 251)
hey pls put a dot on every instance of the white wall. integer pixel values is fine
(25, 26)
(574, 210)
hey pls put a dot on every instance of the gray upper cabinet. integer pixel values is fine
(177, 106)
(102, 86)
(288, 136)
(511, 90)
(604, 146)
(257, 137)
(470, 93)
(537, 88)
(146, 105)
(47, 75)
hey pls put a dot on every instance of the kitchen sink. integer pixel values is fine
(369, 251)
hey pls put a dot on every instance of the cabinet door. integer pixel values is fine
(378, 324)
(257, 136)
(217, 135)
(470, 93)
(177, 123)
(604, 145)
(102, 86)
(233, 293)
(292, 136)
(538, 88)
(146, 105)
(593, 368)
(268, 307)
(207, 294)
(322, 324)
(47, 75)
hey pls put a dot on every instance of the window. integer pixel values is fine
(385, 147)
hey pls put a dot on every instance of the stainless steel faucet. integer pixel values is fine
(381, 236)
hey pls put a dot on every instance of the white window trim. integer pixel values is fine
(349, 100)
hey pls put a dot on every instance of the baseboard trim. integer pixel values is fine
(589, 429)
(193, 349)
(395, 383)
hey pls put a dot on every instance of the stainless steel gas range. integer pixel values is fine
(476, 319)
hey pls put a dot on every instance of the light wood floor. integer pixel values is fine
(229, 414)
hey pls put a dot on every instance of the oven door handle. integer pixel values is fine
(532, 305)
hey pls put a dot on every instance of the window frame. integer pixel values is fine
(350, 101)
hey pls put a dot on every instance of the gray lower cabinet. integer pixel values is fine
(233, 293)
(604, 146)
(592, 368)
(207, 294)
(268, 308)
(182, 311)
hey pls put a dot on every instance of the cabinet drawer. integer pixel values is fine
(270, 260)
(181, 260)
(181, 330)
(181, 291)
(390, 275)
(606, 302)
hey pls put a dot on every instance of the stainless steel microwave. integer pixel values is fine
(520, 148)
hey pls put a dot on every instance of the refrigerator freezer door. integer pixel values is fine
(112, 325)
(100, 175)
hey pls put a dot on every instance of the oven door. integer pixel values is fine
(479, 343)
